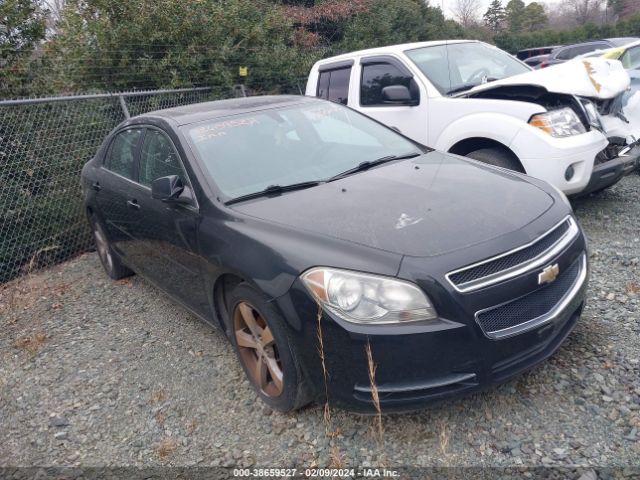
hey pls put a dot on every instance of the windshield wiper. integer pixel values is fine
(274, 190)
(367, 164)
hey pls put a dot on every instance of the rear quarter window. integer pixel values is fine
(122, 154)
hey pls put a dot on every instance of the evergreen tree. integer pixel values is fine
(494, 16)
(514, 15)
(535, 18)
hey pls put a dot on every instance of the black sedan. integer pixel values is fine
(311, 234)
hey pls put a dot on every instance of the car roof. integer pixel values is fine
(622, 41)
(392, 49)
(539, 48)
(198, 112)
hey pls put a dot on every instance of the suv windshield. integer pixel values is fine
(457, 67)
(310, 142)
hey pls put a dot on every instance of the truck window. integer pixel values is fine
(333, 85)
(375, 77)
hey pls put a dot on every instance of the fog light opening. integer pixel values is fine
(569, 172)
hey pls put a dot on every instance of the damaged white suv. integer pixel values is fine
(473, 99)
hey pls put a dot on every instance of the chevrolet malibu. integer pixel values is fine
(312, 234)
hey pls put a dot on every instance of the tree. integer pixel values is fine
(494, 16)
(514, 15)
(584, 11)
(22, 25)
(466, 12)
(386, 22)
(535, 18)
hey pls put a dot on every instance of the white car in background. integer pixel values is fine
(473, 99)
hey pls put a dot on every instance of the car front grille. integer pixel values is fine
(499, 268)
(535, 308)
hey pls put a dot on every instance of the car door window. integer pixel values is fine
(158, 158)
(123, 152)
(566, 54)
(375, 77)
(631, 58)
(333, 85)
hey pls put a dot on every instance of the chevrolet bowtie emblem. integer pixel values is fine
(549, 274)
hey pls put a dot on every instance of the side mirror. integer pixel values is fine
(170, 189)
(397, 95)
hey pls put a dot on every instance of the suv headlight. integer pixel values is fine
(365, 298)
(558, 123)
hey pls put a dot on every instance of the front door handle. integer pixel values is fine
(96, 186)
(133, 204)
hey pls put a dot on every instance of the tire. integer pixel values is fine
(498, 157)
(272, 368)
(109, 259)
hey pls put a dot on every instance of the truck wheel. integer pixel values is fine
(498, 157)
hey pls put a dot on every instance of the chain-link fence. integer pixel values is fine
(44, 144)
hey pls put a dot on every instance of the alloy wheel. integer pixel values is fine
(258, 350)
(102, 246)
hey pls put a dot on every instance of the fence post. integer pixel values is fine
(123, 104)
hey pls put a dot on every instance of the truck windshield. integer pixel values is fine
(298, 145)
(456, 67)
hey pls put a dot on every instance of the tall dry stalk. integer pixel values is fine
(374, 394)
(327, 408)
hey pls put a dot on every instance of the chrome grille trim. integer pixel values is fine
(519, 269)
(542, 319)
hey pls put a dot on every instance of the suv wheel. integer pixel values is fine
(497, 157)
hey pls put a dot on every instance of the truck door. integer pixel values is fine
(408, 114)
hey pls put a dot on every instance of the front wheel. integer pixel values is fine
(262, 345)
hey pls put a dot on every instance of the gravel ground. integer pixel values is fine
(102, 373)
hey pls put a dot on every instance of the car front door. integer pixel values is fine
(167, 232)
(115, 186)
(376, 73)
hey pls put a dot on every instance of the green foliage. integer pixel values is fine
(494, 16)
(514, 15)
(22, 25)
(387, 22)
(535, 17)
(512, 42)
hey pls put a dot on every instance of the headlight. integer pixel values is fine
(558, 123)
(364, 298)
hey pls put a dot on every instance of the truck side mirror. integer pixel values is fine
(397, 95)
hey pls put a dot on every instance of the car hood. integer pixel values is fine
(433, 204)
(594, 78)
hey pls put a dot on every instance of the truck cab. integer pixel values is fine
(472, 99)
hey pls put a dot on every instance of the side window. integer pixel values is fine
(334, 85)
(566, 54)
(631, 58)
(375, 77)
(123, 151)
(158, 158)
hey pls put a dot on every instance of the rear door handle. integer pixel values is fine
(96, 186)
(133, 204)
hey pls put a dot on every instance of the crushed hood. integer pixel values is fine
(594, 78)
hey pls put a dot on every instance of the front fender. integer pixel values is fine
(493, 126)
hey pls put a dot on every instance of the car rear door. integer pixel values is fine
(115, 186)
(167, 232)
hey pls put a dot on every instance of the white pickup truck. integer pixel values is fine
(473, 99)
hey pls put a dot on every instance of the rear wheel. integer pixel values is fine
(259, 337)
(497, 157)
(110, 261)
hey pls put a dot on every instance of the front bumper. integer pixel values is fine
(420, 364)
(610, 172)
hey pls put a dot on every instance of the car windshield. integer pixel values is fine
(314, 141)
(456, 67)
